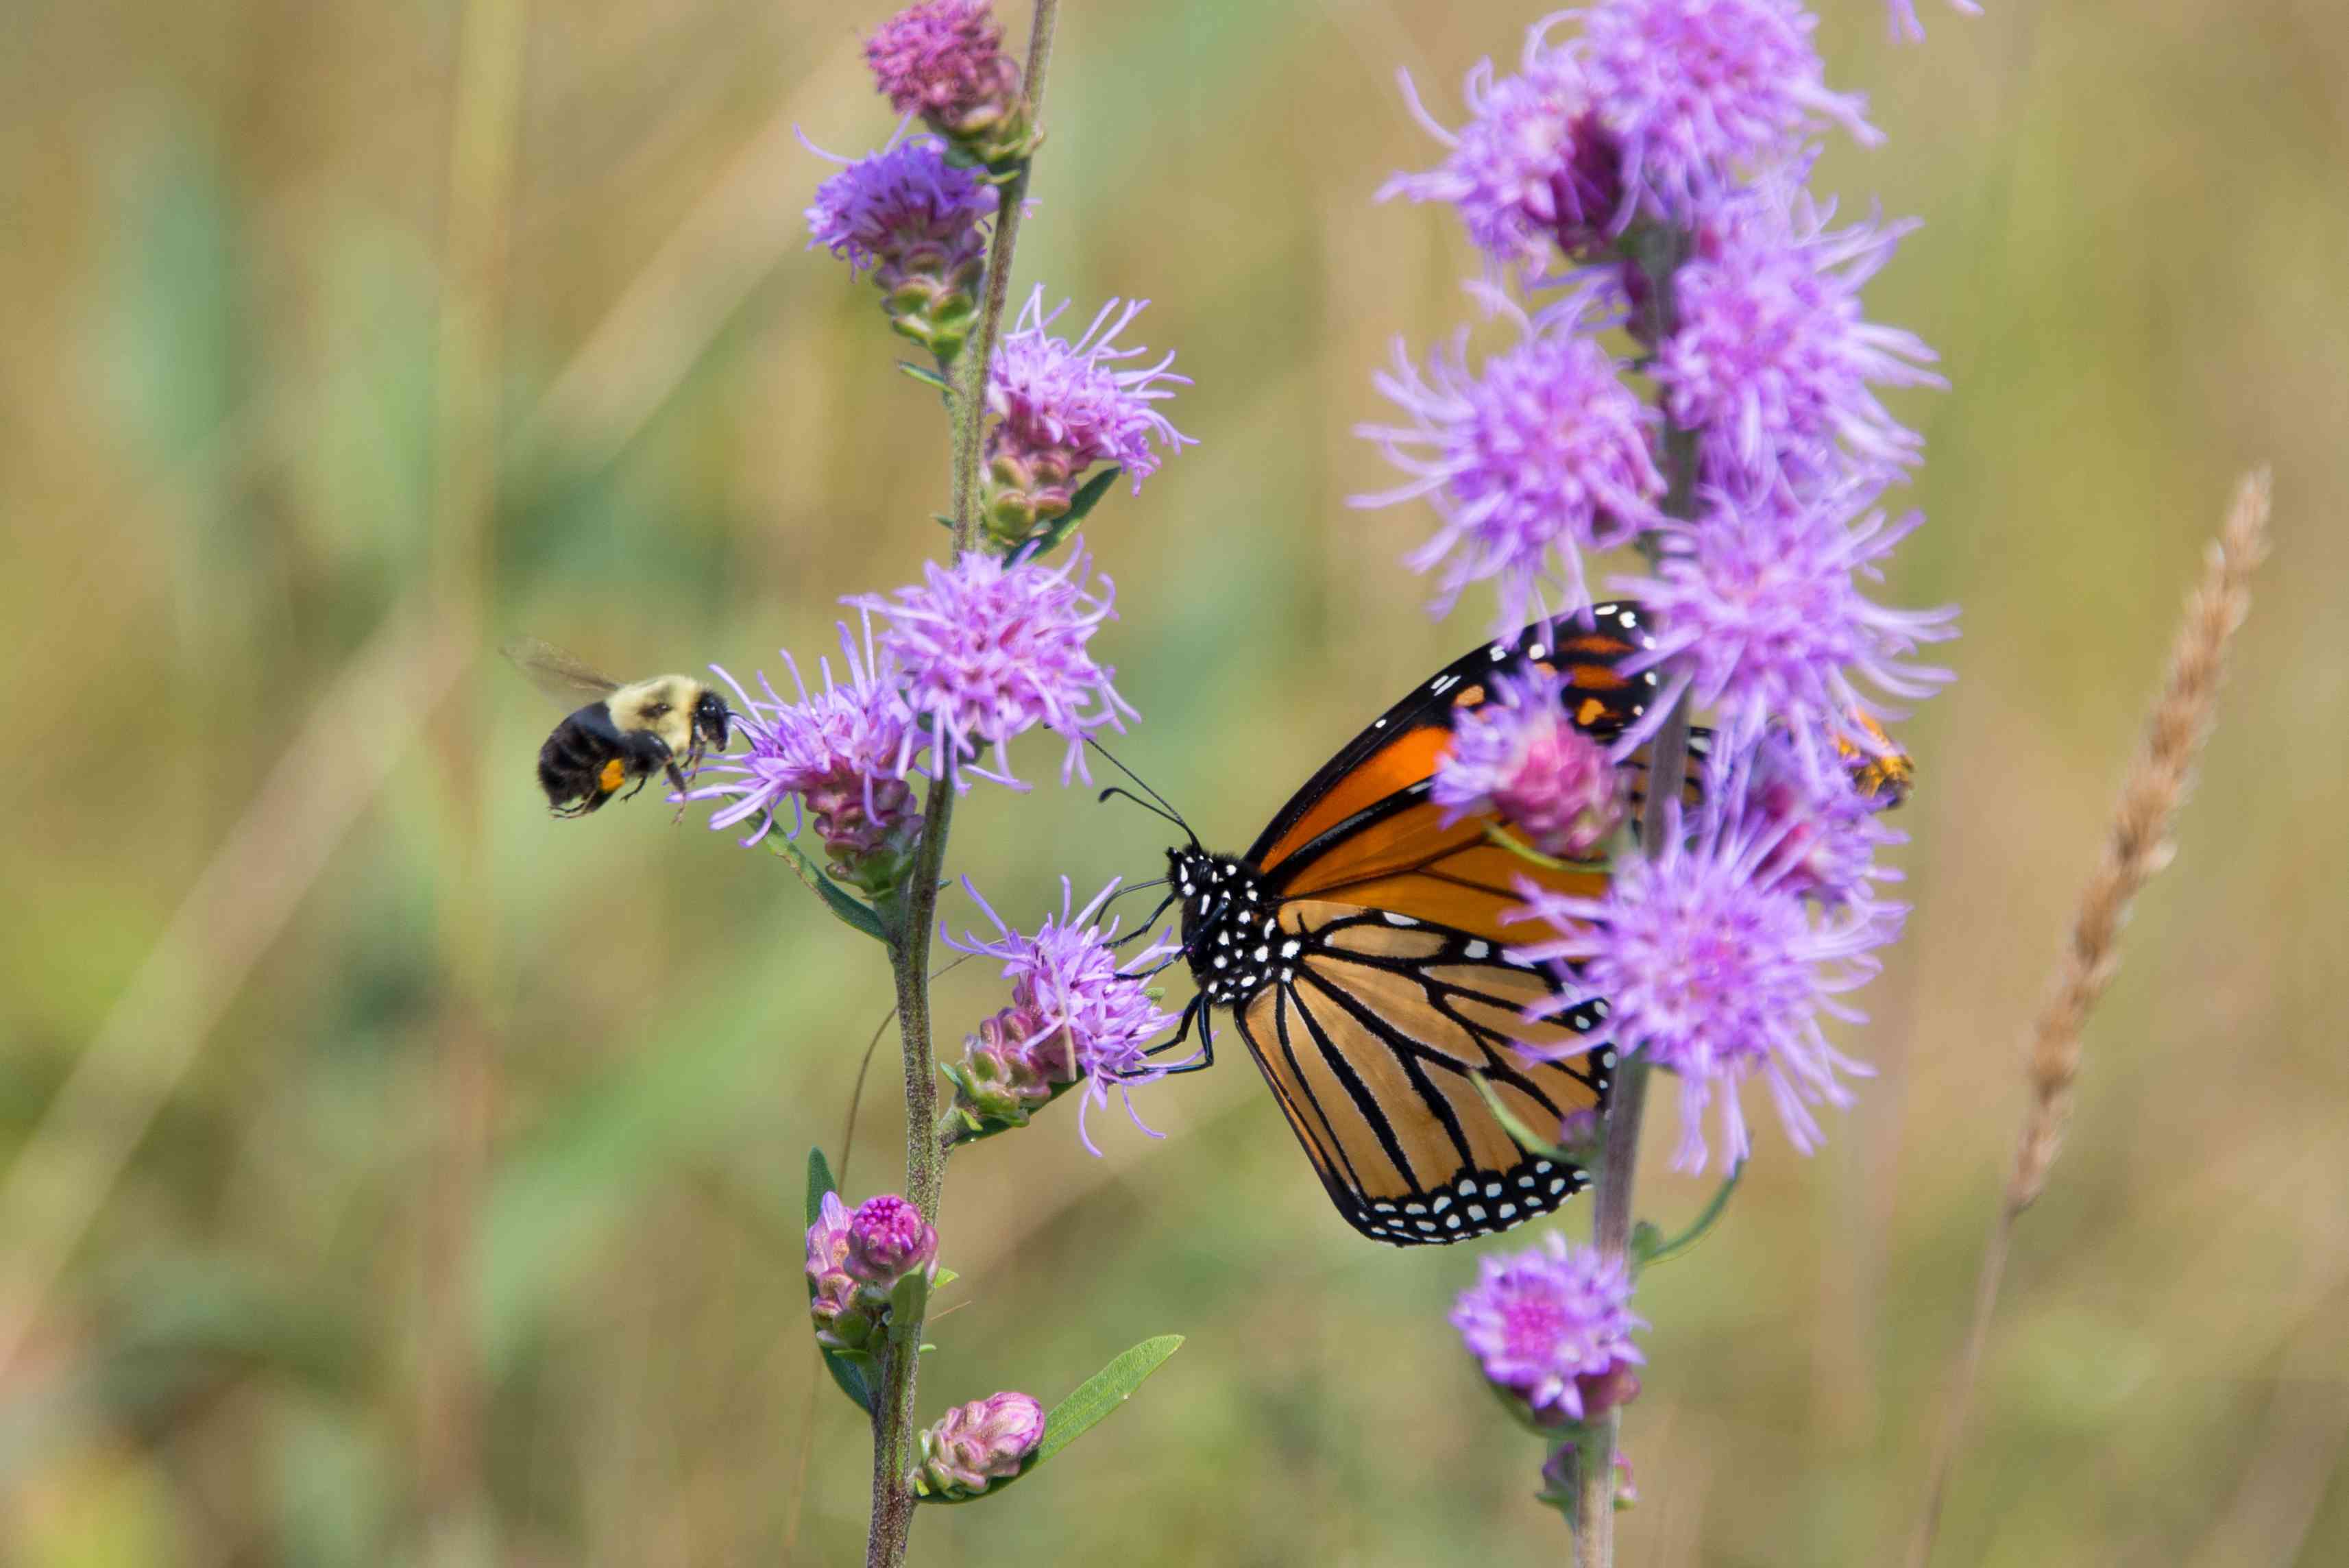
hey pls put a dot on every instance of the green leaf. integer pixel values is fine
(1100, 1394)
(846, 1371)
(850, 1379)
(1527, 1138)
(926, 375)
(1656, 1251)
(820, 1183)
(838, 899)
(1085, 1410)
(909, 1301)
(1080, 504)
(1496, 834)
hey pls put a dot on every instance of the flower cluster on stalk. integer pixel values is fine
(1650, 159)
(1080, 1015)
(1692, 371)
(918, 222)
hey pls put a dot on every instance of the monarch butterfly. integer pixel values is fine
(1361, 950)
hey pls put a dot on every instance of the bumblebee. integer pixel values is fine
(627, 731)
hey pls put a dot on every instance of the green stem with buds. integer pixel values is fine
(1658, 252)
(909, 945)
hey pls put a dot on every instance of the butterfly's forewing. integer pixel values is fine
(1363, 829)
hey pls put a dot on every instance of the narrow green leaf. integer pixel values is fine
(838, 899)
(1527, 1138)
(1659, 1251)
(926, 375)
(1082, 1411)
(850, 1379)
(1496, 834)
(909, 1301)
(1100, 1394)
(819, 1183)
(1082, 503)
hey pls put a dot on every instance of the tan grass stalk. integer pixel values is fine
(2138, 847)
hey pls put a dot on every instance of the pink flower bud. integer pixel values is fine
(975, 1445)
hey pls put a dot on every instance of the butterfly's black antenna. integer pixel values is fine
(1164, 807)
(1149, 806)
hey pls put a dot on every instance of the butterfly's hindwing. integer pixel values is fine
(1372, 1041)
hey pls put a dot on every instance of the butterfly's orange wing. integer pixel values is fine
(1394, 992)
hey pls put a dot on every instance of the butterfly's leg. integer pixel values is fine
(1206, 1056)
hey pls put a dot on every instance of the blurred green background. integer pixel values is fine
(392, 1174)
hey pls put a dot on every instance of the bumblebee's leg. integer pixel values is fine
(647, 754)
(677, 779)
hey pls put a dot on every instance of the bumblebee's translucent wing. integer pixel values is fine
(568, 679)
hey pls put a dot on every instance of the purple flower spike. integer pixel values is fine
(1773, 362)
(842, 1321)
(1532, 169)
(1714, 968)
(944, 60)
(1697, 91)
(1519, 755)
(888, 1240)
(973, 1446)
(1089, 1015)
(1060, 408)
(1822, 831)
(1543, 455)
(989, 652)
(918, 222)
(843, 753)
(1761, 610)
(1553, 1327)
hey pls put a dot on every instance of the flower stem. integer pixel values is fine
(1658, 252)
(909, 947)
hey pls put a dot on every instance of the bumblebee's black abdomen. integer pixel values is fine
(589, 759)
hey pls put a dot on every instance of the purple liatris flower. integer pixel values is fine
(1540, 455)
(1519, 755)
(1552, 1326)
(1759, 610)
(843, 754)
(944, 60)
(843, 1320)
(1820, 830)
(1772, 362)
(919, 223)
(1532, 169)
(888, 1240)
(989, 651)
(1698, 91)
(1715, 968)
(1060, 408)
(1011, 1066)
(1090, 1016)
(973, 1446)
